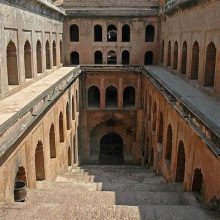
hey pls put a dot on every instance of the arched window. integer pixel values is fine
(47, 47)
(12, 65)
(74, 57)
(160, 129)
(39, 57)
(180, 169)
(67, 116)
(52, 142)
(148, 58)
(195, 61)
(149, 33)
(169, 143)
(154, 116)
(73, 108)
(69, 157)
(54, 53)
(197, 185)
(98, 57)
(126, 33)
(175, 56)
(111, 57)
(162, 52)
(27, 60)
(39, 162)
(125, 57)
(184, 58)
(129, 97)
(61, 52)
(61, 130)
(74, 33)
(169, 54)
(111, 97)
(112, 33)
(93, 97)
(210, 65)
(98, 33)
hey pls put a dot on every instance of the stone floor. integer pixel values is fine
(107, 193)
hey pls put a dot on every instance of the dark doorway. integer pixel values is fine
(111, 57)
(180, 169)
(195, 61)
(126, 33)
(98, 33)
(111, 97)
(39, 57)
(93, 97)
(112, 33)
(28, 60)
(175, 56)
(74, 57)
(169, 54)
(74, 33)
(111, 149)
(125, 57)
(148, 58)
(184, 58)
(47, 47)
(39, 162)
(197, 185)
(54, 53)
(98, 57)
(149, 34)
(129, 97)
(69, 157)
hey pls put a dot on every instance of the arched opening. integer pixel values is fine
(160, 129)
(112, 33)
(169, 54)
(52, 142)
(98, 57)
(54, 53)
(74, 33)
(129, 97)
(154, 116)
(149, 33)
(67, 116)
(61, 52)
(111, 57)
(39, 162)
(27, 60)
(184, 58)
(73, 108)
(175, 56)
(111, 97)
(98, 33)
(111, 149)
(69, 157)
(61, 130)
(126, 33)
(169, 143)
(12, 65)
(195, 61)
(210, 65)
(125, 57)
(148, 58)
(93, 97)
(197, 185)
(47, 55)
(180, 169)
(21, 175)
(162, 52)
(74, 57)
(39, 57)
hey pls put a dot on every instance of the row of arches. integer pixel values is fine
(167, 146)
(12, 59)
(210, 60)
(111, 97)
(112, 33)
(112, 57)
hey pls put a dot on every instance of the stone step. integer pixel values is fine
(75, 178)
(87, 212)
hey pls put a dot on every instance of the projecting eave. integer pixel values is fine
(112, 12)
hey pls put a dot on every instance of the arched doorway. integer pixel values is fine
(149, 33)
(111, 57)
(93, 97)
(126, 33)
(125, 59)
(148, 58)
(197, 185)
(112, 33)
(98, 57)
(184, 58)
(98, 33)
(74, 33)
(74, 58)
(180, 169)
(27, 60)
(175, 56)
(39, 57)
(111, 97)
(195, 61)
(52, 142)
(39, 162)
(54, 53)
(129, 97)
(47, 48)
(111, 149)
(169, 54)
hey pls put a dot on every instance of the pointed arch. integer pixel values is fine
(61, 127)
(169, 143)
(111, 97)
(195, 61)
(39, 57)
(54, 53)
(93, 97)
(169, 54)
(180, 169)
(129, 97)
(68, 125)
(28, 60)
(47, 49)
(184, 58)
(160, 129)
(74, 33)
(175, 56)
(52, 141)
(39, 162)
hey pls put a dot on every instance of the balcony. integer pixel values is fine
(172, 5)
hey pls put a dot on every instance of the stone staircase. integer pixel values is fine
(107, 193)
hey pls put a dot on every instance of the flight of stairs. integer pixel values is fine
(106, 193)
